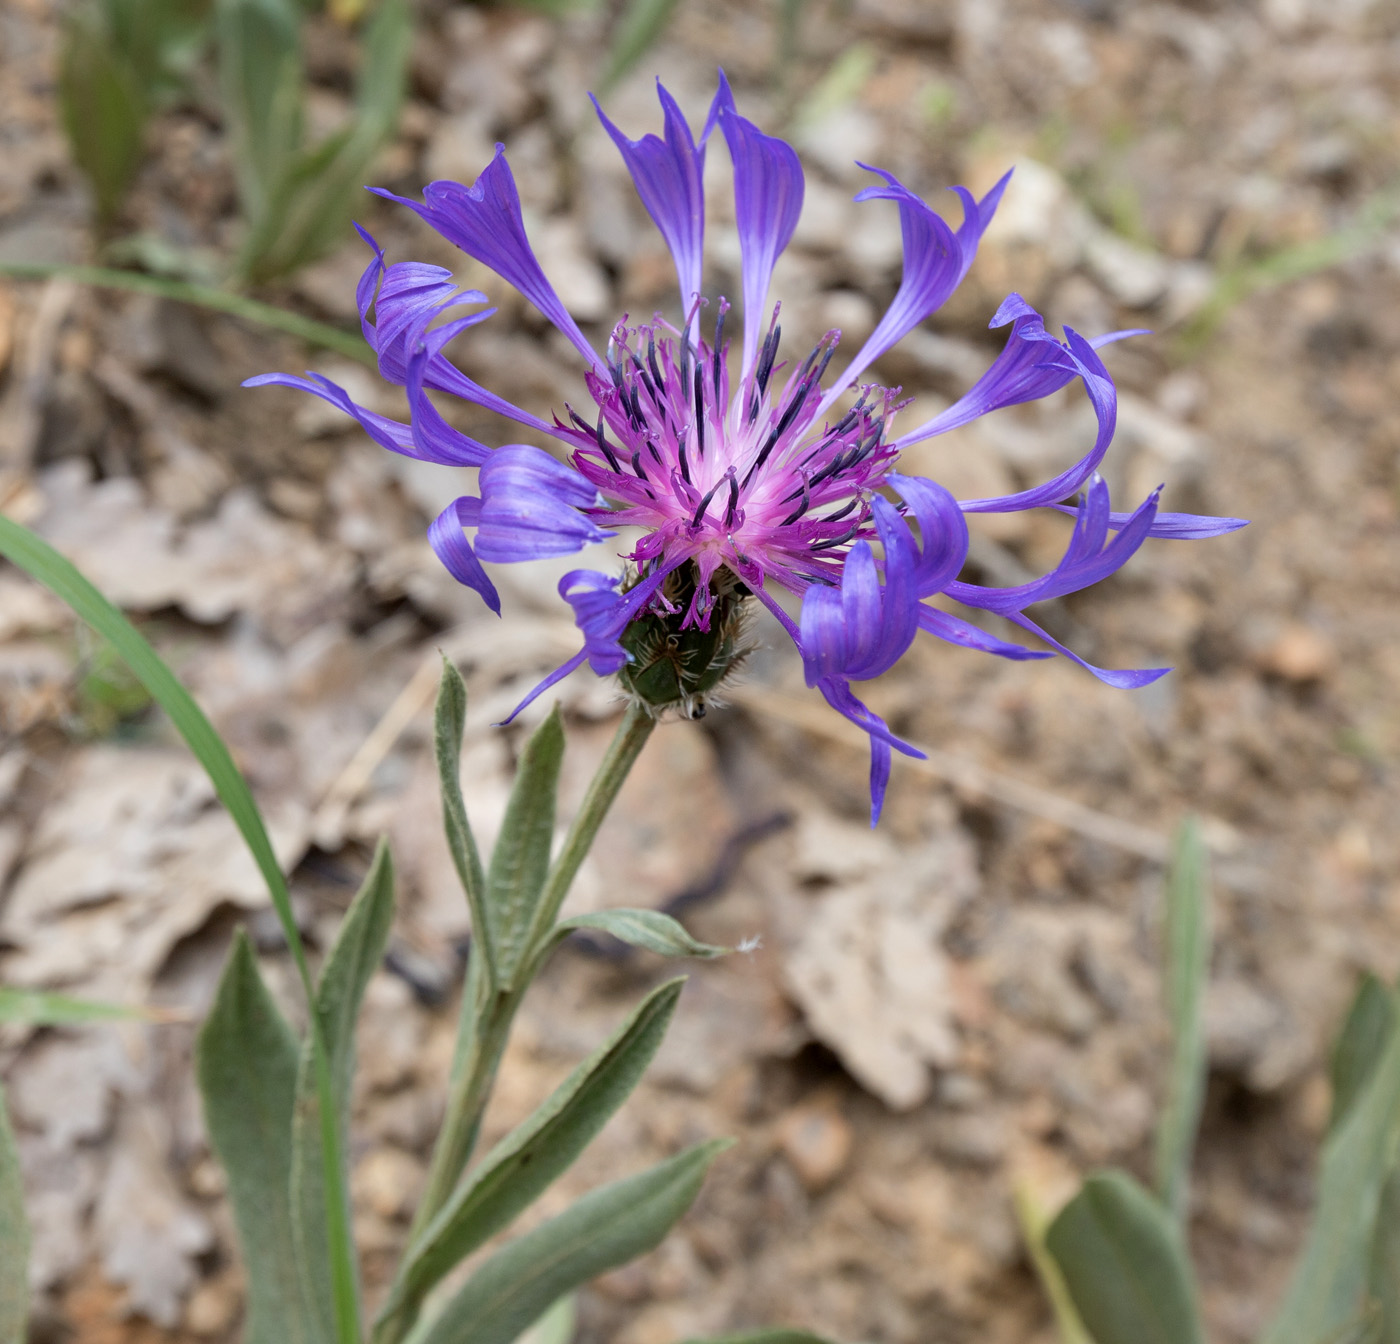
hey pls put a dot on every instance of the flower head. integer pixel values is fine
(748, 474)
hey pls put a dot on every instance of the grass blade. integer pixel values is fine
(40, 1009)
(1187, 939)
(606, 1228)
(1033, 1222)
(246, 1062)
(528, 1160)
(641, 25)
(322, 334)
(14, 1238)
(1124, 1264)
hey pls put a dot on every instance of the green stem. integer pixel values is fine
(350, 344)
(471, 1083)
(631, 736)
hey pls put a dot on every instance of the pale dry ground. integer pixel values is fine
(965, 998)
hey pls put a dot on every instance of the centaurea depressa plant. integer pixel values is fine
(749, 477)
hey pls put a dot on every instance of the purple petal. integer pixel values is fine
(484, 220)
(954, 631)
(530, 506)
(1175, 526)
(445, 537)
(602, 615)
(863, 629)
(1104, 398)
(942, 532)
(768, 190)
(435, 439)
(669, 177)
(935, 261)
(1128, 679)
(451, 448)
(839, 696)
(1025, 370)
(1086, 560)
(410, 297)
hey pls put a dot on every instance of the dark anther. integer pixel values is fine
(705, 503)
(603, 444)
(733, 499)
(699, 413)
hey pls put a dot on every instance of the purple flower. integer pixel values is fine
(757, 477)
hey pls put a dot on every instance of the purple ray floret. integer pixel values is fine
(753, 475)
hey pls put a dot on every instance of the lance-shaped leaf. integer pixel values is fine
(359, 948)
(647, 929)
(1187, 939)
(260, 77)
(14, 1238)
(518, 1170)
(1123, 1261)
(1385, 1263)
(1359, 1045)
(246, 1062)
(308, 207)
(606, 1228)
(449, 722)
(1328, 1290)
(1034, 1221)
(520, 861)
(104, 108)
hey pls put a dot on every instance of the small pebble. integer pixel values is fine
(817, 1140)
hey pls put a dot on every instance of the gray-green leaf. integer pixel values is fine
(261, 77)
(648, 929)
(1187, 939)
(531, 1156)
(520, 861)
(14, 1238)
(1359, 1045)
(606, 1228)
(359, 948)
(1123, 1261)
(1385, 1263)
(449, 722)
(1328, 1289)
(104, 109)
(246, 1061)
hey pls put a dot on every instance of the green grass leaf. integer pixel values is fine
(350, 344)
(604, 1229)
(246, 1063)
(639, 28)
(1187, 971)
(1329, 1286)
(520, 861)
(531, 1157)
(648, 929)
(340, 990)
(14, 1238)
(1124, 1264)
(40, 1009)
